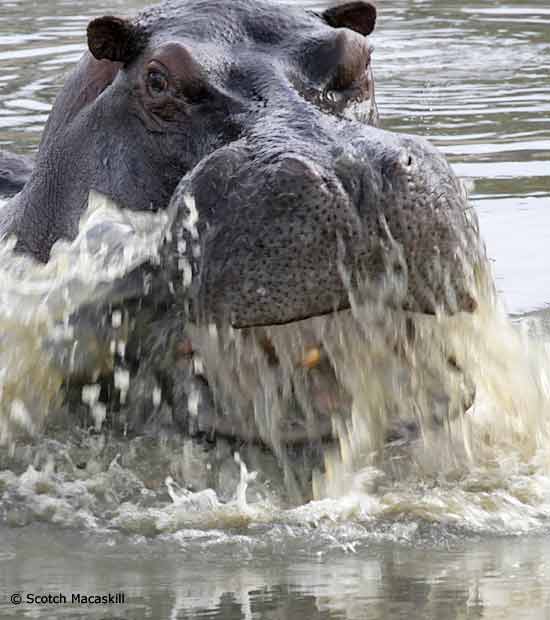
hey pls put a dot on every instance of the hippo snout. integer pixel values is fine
(287, 235)
(415, 212)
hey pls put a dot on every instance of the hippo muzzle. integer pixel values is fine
(273, 237)
(271, 230)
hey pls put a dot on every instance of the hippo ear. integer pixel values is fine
(358, 16)
(116, 39)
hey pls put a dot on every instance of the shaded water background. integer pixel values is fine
(474, 78)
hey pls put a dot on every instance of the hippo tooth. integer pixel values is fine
(312, 358)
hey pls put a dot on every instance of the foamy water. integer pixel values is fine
(483, 471)
(37, 301)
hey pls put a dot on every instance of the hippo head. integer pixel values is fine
(262, 110)
(254, 124)
(156, 95)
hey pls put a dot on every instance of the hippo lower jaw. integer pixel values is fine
(311, 380)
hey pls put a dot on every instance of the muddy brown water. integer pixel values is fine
(443, 534)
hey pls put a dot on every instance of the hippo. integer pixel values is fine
(254, 125)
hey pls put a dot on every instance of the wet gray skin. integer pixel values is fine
(285, 229)
(287, 202)
(279, 231)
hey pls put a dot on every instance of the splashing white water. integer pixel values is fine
(486, 470)
(245, 479)
(36, 301)
(111, 242)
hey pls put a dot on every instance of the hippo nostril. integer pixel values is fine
(469, 305)
(405, 158)
(293, 172)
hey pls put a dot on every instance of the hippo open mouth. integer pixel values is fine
(285, 204)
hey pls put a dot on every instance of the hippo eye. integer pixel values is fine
(157, 82)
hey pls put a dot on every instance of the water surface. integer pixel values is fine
(423, 539)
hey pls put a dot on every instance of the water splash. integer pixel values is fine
(36, 301)
(342, 389)
(245, 479)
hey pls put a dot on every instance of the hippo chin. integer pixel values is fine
(254, 124)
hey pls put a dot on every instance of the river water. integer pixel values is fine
(456, 526)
